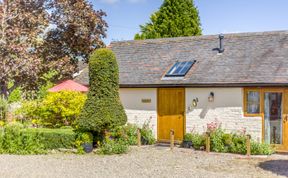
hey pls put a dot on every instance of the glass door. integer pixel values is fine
(273, 118)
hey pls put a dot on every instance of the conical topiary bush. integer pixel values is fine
(103, 109)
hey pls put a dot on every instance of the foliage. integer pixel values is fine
(54, 138)
(261, 149)
(46, 83)
(29, 110)
(228, 142)
(3, 108)
(21, 24)
(103, 109)
(236, 143)
(217, 141)
(110, 146)
(15, 95)
(198, 140)
(43, 35)
(13, 140)
(175, 18)
(55, 110)
(146, 133)
(127, 133)
(81, 139)
(2, 123)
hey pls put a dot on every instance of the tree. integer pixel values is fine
(40, 36)
(21, 23)
(175, 18)
(103, 109)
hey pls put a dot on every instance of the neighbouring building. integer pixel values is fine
(240, 80)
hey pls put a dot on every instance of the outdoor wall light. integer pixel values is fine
(195, 102)
(211, 97)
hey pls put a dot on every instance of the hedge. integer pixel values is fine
(54, 138)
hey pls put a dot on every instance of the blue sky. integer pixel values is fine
(217, 16)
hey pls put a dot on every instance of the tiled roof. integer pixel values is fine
(257, 59)
(69, 85)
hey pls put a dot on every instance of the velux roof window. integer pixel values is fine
(180, 69)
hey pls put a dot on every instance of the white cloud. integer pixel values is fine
(116, 1)
(110, 1)
(136, 1)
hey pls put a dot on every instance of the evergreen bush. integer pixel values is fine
(103, 109)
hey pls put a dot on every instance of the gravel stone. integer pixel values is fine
(146, 161)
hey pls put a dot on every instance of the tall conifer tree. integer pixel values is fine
(175, 18)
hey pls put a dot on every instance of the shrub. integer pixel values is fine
(103, 109)
(217, 141)
(61, 108)
(197, 140)
(13, 140)
(55, 110)
(261, 149)
(29, 110)
(81, 139)
(238, 144)
(127, 133)
(110, 146)
(54, 138)
(147, 136)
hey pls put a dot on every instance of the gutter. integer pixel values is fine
(208, 85)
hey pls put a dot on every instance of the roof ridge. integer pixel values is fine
(202, 37)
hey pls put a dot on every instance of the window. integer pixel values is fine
(180, 69)
(252, 100)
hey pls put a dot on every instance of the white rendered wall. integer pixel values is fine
(227, 109)
(137, 111)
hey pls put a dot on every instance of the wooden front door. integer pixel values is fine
(171, 113)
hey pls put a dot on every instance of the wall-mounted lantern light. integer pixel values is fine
(211, 97)
(195, 102)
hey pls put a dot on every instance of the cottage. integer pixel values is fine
(240, 80)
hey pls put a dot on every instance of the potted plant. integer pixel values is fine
(187, 142)
(87, 142)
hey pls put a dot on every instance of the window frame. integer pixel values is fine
(177, 64)
(245, 102)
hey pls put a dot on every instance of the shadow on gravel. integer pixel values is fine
(279, 167)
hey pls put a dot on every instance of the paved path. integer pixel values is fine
(143, 162)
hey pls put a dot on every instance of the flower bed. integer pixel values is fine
(228, 143)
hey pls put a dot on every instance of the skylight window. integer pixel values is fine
(180, 69)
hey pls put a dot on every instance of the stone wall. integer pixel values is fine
(227, 109)
(138, 111)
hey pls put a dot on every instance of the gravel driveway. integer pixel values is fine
(148, 161)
